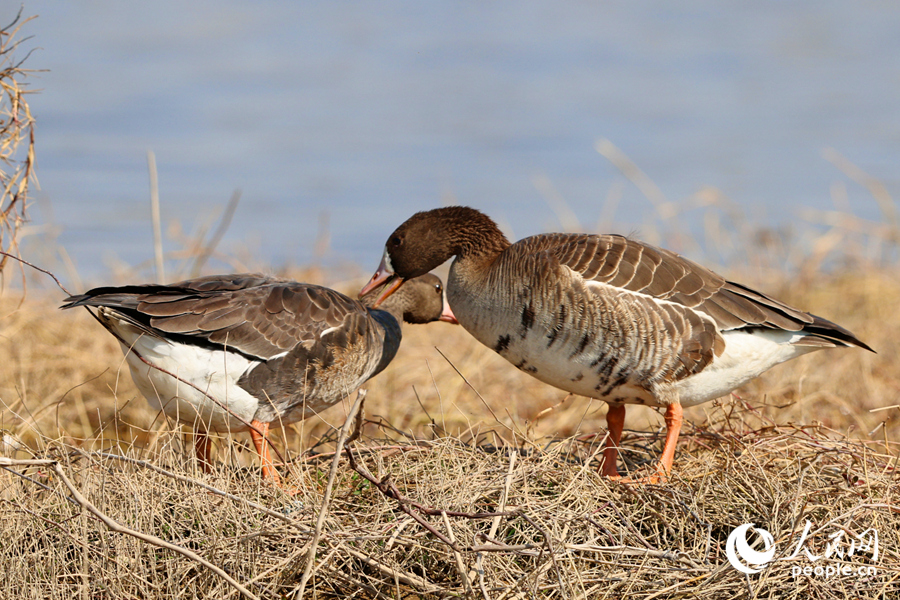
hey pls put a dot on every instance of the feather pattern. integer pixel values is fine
(603, 315)
(277, 349)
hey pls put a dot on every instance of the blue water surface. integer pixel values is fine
(367, 112)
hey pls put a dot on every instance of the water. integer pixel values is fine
(371, 111)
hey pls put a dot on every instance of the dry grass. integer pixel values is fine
(561, 532)
(16, 139)
(468, 478)
(800, 444)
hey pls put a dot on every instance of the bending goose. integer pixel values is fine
(238, 352)
(604, 316)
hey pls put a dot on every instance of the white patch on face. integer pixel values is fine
(386, 259)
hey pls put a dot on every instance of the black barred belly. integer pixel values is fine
(575, 365)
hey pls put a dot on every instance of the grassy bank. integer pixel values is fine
(511, 461)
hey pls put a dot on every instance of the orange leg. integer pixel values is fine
(674, 418)
(201, 447)
(615, 421)
(259, 434)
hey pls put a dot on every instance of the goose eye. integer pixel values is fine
(437, 288)
(396, 241)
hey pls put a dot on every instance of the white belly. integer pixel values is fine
(215, 372)
(573, 359)
(746, 356)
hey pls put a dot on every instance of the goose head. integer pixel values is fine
(428, 239)
(420, 301)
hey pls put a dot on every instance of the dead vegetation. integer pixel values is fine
(470, 478)
(465, 478)
(16, 138)
(450, 519)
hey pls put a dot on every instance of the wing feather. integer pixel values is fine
(253, 314)
(700, 294)
(637, 267)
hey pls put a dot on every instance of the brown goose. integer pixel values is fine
(249, 350)
(604, 316)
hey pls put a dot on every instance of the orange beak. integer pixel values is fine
(382, 276)
(447, 315)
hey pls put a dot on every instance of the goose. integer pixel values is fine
(239, 352)
(604, 316)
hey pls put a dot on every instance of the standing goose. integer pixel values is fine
(604, 316)
(238, 352)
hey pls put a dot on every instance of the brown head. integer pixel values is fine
(428, 239)
(420, 301)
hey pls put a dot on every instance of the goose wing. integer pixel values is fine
(661, 274)
(253, 314)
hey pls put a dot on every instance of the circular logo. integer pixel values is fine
(737, 548)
